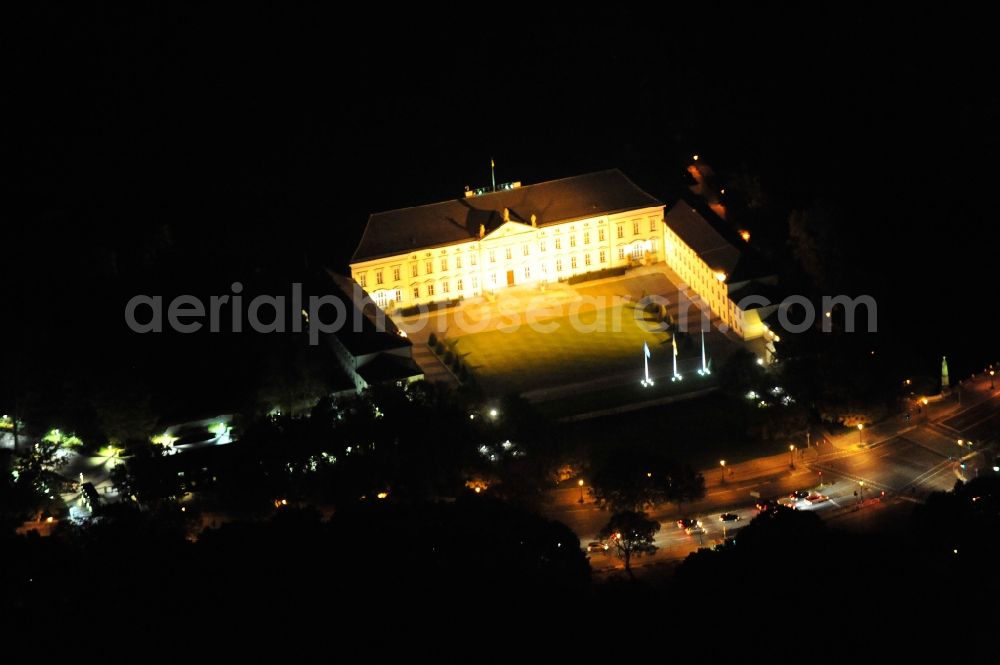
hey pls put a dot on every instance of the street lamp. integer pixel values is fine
(791, 455)
(722, 463)
(992, 372)
(861, 438)
(862, 495)
(580, 483)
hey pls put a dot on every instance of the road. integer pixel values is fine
(870, 479)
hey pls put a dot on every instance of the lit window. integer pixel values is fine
(558, 243)
(363, 279)
(635, 228)
(430, 266)
(541, 245)
(604, 256)
(507, 252)
(395, 274)
(444, 263)
(586, 259)
(493, 256)
(558, 265)
(621, 231)
(378, 277)
(621, 253)
(652, 224)
(600, 235)
(399, 295)
(430, 289)
(416, 292)
(445, 286)
(414, 270)
(572, 262)
(524, 249)
(458, 262)
(586, 237)
(458, 285)
(572, 240)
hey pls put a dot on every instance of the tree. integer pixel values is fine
(630, 481)
(637, 480)
(632, 534)
(31, 484)
(146, 477)
(685, 484)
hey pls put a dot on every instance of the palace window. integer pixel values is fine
(621, 231)
(572, 262)
(541, 245)
(444, 263)
(524, 249)
(493, 256)
(430, 289)
(621, 253)
(363, 279)
(527, 272)
(472, 259)
(558, 265)
(586, 259)
(652, 224)
(445, 286)
(475, 282)
(493, 278)
(604, 256)
(414, 270)
(416, 292)
(378, 277)
(458, 284)
(558, 243)
(395, 274)
(507, 253)
(430, 266)
(458, 262)
(586, 237)
(600, 235)
(572, 240)
(635, 228)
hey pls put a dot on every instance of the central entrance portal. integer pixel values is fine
(510, 278)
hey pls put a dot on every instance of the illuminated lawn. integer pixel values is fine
(527, 359)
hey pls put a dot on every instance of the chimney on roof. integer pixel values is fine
(482, 231)
(534, 221)
(506, 214)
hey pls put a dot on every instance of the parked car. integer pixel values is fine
(598, 546)
(686, 523)
(729, 517)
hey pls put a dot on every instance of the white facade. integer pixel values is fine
(513, 254)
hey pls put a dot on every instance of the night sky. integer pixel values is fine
(182, 147)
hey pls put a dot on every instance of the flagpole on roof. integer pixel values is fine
(493, 177)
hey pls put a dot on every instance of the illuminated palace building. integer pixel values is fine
(534, 234)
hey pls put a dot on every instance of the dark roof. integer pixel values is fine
(388, 367)
(365, 331)
(696, 231)
(448, 222)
